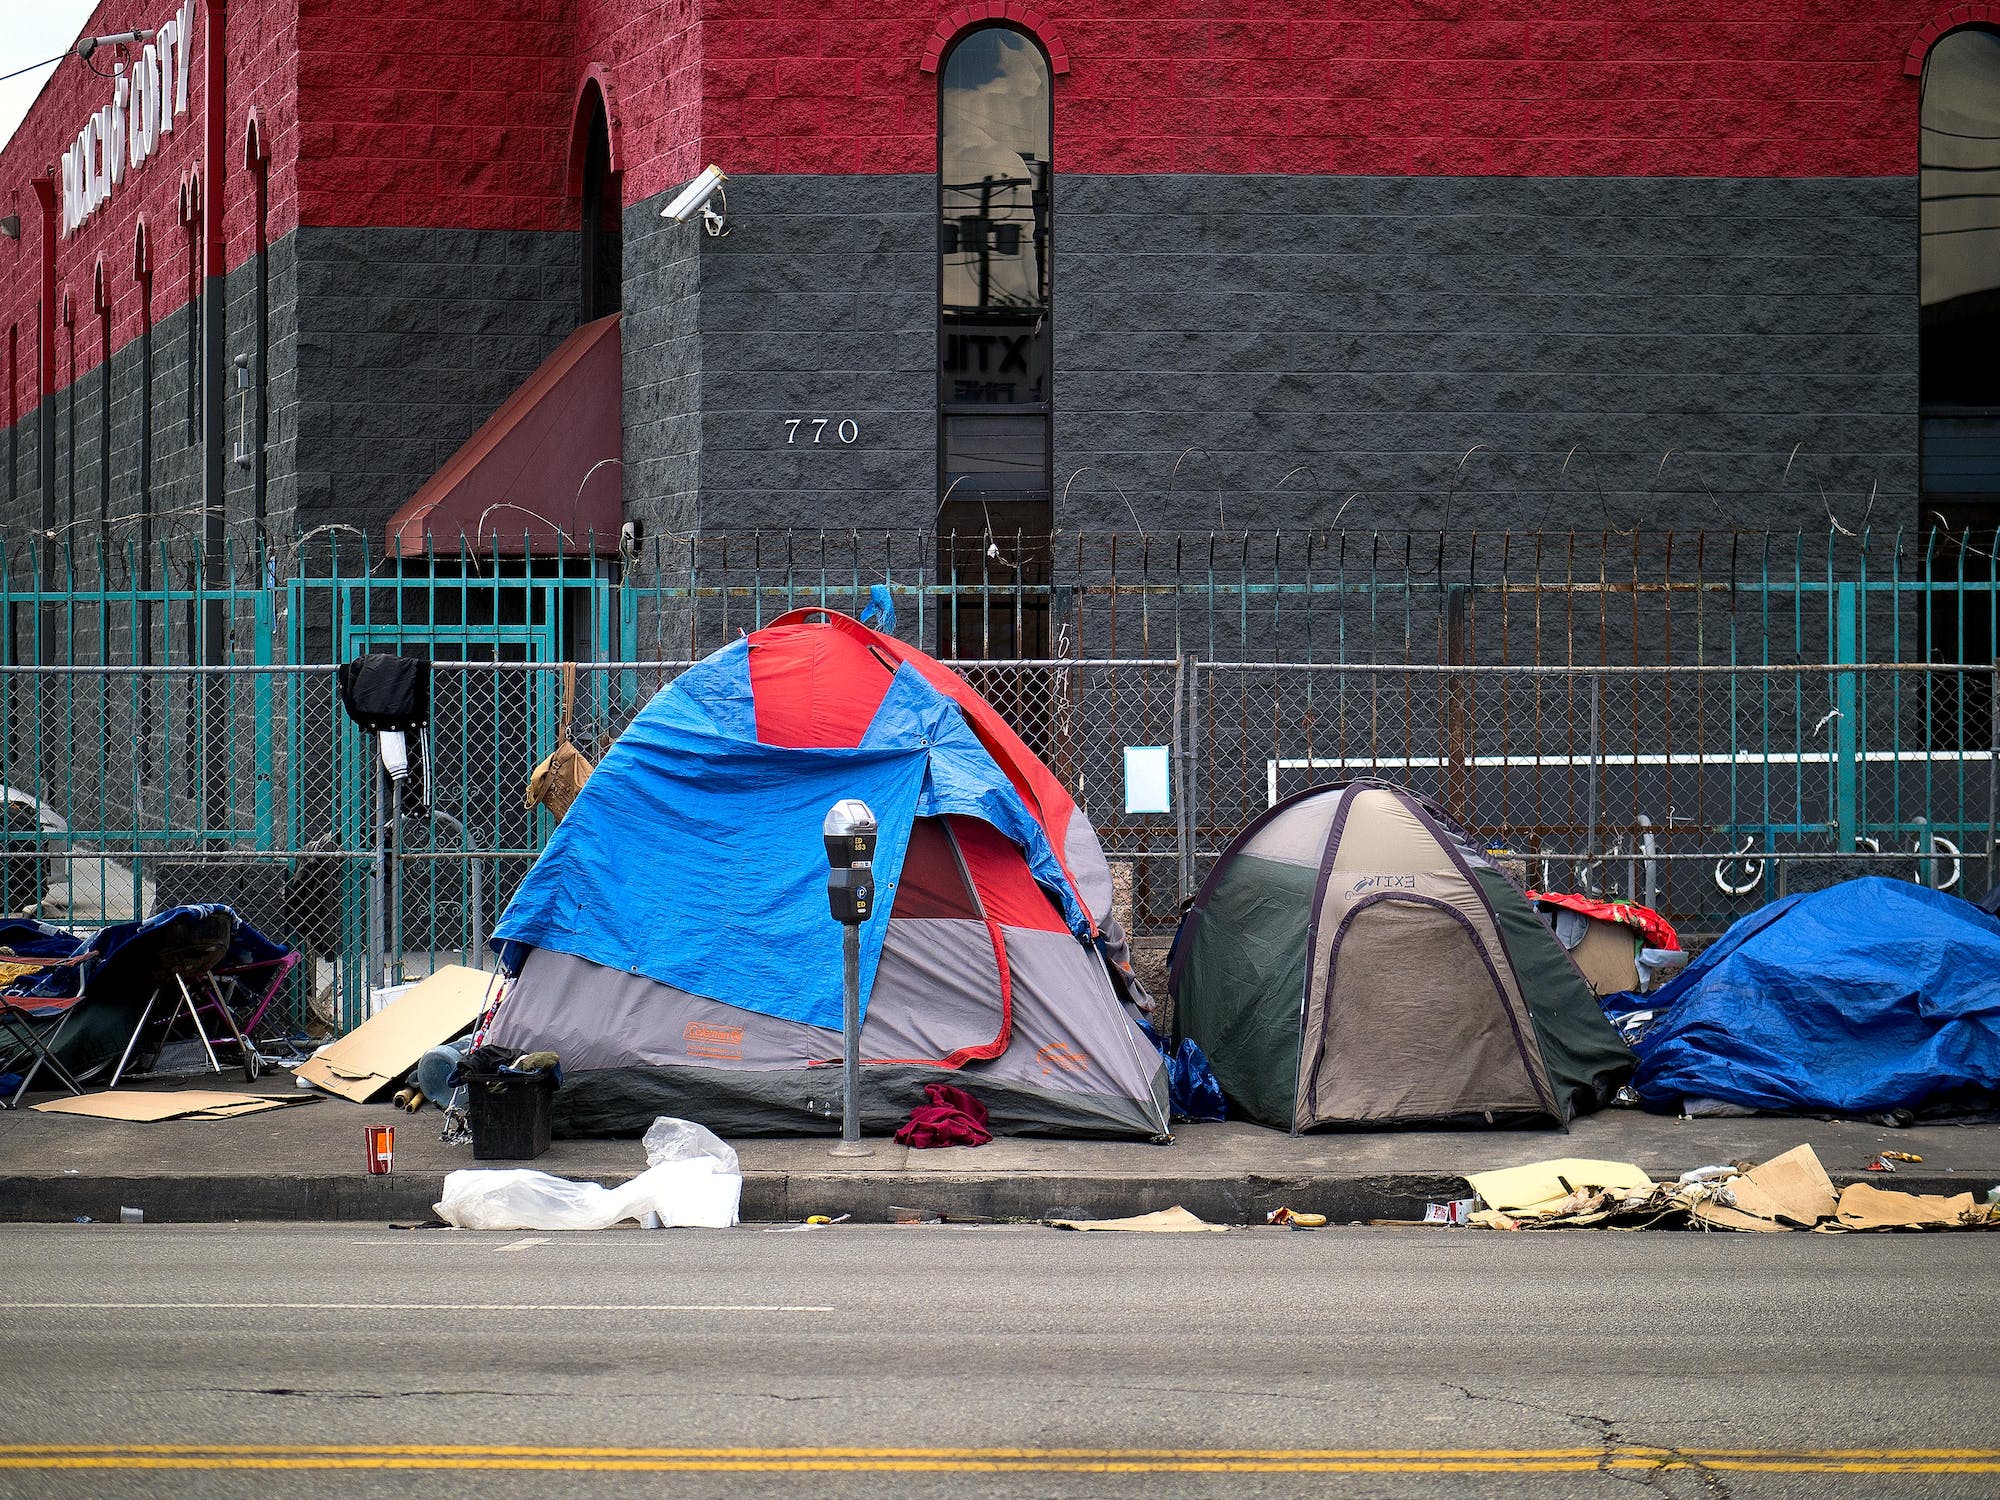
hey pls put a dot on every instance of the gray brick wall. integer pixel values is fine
(820, 303)
(1367, 333)
(1328, 347)
(1378, 329)
(406, 340)
(661, 339)
(282, 394)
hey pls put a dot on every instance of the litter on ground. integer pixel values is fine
(691, 1181)
(181, 1104)
(1175, 1220)
(1789, 1192)
(373, 1058)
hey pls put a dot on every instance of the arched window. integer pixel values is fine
(995, 412)
(1958, 371)
(1960, 187)
(601, 228)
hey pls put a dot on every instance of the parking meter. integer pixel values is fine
(849, 836)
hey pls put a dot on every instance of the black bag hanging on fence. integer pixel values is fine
(386, 692)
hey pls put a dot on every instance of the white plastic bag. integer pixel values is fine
(689, 1194)
(668, 1139)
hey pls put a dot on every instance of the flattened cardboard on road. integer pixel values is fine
(371, 1057)
(1526, 1191)
(1863, 1206)
(1788, 1189)
(1175, 1220)
(182, 1104)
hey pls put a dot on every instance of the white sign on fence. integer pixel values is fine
(1148, 787)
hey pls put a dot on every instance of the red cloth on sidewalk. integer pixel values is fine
(1650, 925)
(952, 1118)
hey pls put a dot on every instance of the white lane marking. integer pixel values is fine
(527, 1244)
(745, 1307)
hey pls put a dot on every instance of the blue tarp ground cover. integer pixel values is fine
(693, 854)
(1869, 996)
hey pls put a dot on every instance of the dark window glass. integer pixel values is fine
(1960, 186)
(600, 242)
(1959, 372)
(994, 412)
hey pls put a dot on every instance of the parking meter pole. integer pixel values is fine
(849, 836)
(392, 888)
(378, 904)
(850, 1046)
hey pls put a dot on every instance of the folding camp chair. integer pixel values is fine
(255, 969)
(20, 1018)
(167, 958)
(39, 973)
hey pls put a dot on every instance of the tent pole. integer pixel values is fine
(1183, 671)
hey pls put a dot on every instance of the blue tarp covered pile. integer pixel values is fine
(110, 970)
(1872, 996)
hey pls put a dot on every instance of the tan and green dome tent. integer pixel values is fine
(1352, 960)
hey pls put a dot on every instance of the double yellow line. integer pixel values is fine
(171, 1456)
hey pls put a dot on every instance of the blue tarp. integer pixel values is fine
(1866, 997)
(102, 974)
(1193, 1091)
(693, 854)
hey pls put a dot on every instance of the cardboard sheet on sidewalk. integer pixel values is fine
(1524, 1192)
(1175, 1220)
(374, 1055)
(179, 1104)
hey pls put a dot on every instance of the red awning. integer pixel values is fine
(535, 476)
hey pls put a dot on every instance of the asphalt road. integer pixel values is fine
(995, 1362)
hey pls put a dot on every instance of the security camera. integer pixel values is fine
(87, 45)
(696, 195)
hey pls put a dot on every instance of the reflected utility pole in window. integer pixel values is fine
(995, 403)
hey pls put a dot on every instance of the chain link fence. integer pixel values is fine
(1702, 790)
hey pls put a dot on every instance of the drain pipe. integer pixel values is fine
(214, 575)
(214, 298)
(45, 414)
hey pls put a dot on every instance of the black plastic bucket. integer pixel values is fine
(509, 1114)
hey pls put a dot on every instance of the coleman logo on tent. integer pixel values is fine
(1383, 883)
(705, 1040)
(1062, 1055)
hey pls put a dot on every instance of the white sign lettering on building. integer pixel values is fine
(130, 130)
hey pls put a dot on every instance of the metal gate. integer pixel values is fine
(457, 825)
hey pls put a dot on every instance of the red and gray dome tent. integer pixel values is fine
(673, 944)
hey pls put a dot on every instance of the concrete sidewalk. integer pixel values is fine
(305, 1163)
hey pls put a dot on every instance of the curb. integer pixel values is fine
(781, 1197)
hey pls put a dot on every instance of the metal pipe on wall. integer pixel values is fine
(45, 382)
(214, 434)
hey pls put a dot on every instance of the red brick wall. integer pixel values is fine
(261, 50)
(462, 115)
(1426, 87)
(455, 113)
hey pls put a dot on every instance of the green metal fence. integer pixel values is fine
(1709, 719)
